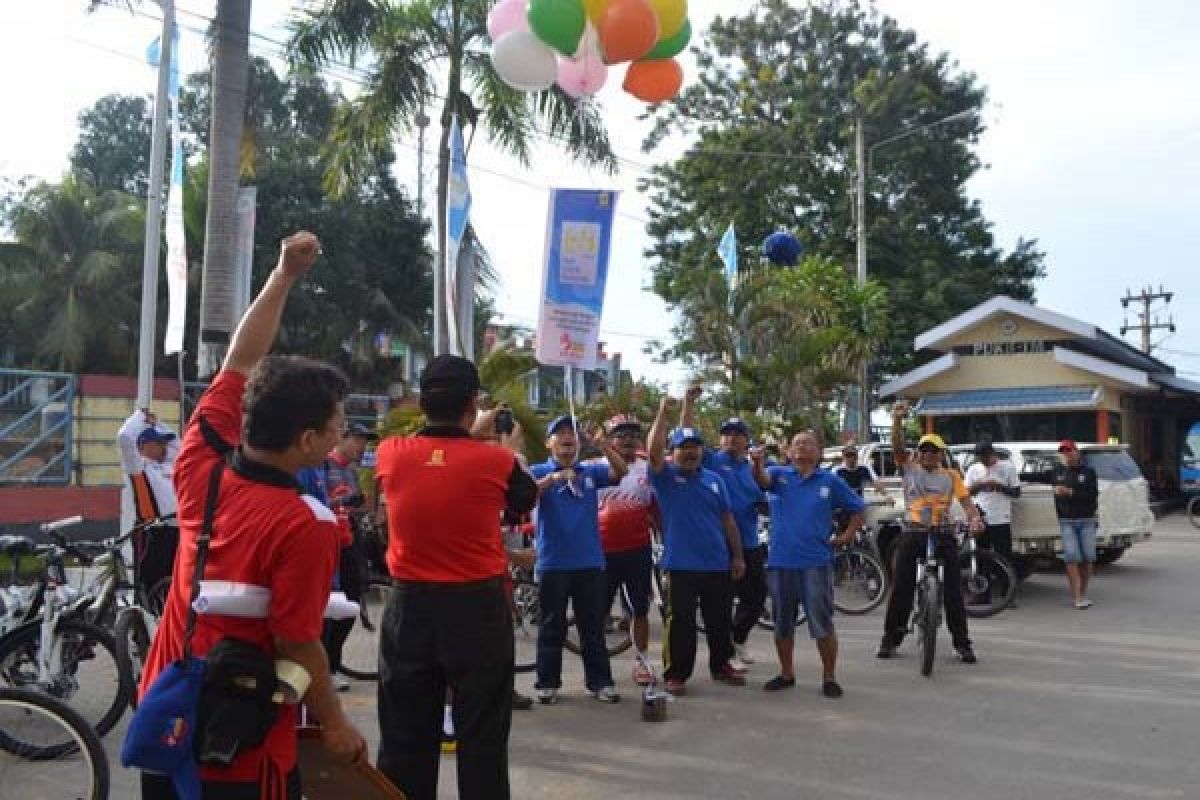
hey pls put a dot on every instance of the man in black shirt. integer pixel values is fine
(858, 476)
(1076, 494)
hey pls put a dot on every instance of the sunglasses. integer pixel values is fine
(928, 448)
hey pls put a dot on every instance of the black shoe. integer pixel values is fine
(886, 651)
(779, 682)
(521, 702)
(830, 688)
(966, 654)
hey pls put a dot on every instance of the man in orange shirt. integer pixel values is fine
(447, 624)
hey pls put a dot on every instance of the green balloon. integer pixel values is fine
(558, 23)
(669, 48)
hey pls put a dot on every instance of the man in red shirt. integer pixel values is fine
(286, 413)
(447, 624)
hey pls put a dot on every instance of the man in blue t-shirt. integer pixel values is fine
(702, 553)
(570, 560)
(731, 461)
(803, 499)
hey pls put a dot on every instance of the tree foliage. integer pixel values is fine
(773, 116)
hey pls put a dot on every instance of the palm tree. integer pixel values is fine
(401, 49)
(72, 275)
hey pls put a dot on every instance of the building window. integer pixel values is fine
(1035, 427)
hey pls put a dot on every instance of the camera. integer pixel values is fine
(504, 422)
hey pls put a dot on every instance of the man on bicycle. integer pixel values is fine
(930, 489)
(627, 513)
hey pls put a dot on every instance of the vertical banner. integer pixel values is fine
(176, 240)
(243, 252)
(578, 239)
(458, 213)
(727, 252)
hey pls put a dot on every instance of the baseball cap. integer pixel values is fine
(153, 434)
(933, 439)
(735, 425)
(623, 422)
(850, 450)
(450, 373)
(558, 422)
(1067, 446)
(358, 429)
(682, 436)
(984, 448)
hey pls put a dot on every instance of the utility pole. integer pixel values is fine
(860, 205)
(1148, 321)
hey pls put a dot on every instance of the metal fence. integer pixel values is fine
(36, 426)
(365, 409)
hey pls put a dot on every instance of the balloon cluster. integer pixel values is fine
(538, 43)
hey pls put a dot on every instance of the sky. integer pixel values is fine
(1092, 146)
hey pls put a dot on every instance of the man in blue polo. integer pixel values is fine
(570, 560)
(702, 553)
(731, 461)
(800, 562)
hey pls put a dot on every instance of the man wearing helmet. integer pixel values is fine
(930, 489)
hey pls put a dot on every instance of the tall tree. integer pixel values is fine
(401, 49)
(114, 144)
(772, 117)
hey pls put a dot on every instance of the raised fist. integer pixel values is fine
(298, 253)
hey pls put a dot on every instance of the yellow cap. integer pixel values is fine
(933, 439)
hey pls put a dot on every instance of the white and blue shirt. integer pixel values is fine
(693, 506)
(568, 527)
(744, 492)
(802, 516)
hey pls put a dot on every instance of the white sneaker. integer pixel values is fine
(1083, 603)
(547, 697)
(737, 666)
(742, 653)
(607, 694)
(340, 684)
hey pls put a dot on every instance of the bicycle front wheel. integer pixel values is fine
(928, 621)
(990, 586)
(360, 652)
(618, 634)
(132, 639)
(34, 728)
(859, 581)
(525, 610)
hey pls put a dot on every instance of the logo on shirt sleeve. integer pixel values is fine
(716, 487)
(825, 492)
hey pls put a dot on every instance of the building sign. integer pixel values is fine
(1008, 348)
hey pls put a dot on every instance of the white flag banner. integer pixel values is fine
(176, 240)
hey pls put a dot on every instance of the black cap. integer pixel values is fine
(984, 448)
(358, 429)
(450, 373)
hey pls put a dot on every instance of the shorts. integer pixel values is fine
(1078, 539)
(812, 588)
(630, 569)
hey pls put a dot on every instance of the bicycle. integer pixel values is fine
(366, 557)
(35, 728)
(136, 624)
(1193, 511)
(989, 581)
(927, 610)
(57, 649)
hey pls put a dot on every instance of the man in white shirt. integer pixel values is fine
(993, 484)
(148, 452)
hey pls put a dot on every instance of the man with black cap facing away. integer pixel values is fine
(994, 484)
(447, 624)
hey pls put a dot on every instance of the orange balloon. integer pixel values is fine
(628, 30)
(654, 81)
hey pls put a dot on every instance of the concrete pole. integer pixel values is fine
(154, 209)
(860, 193)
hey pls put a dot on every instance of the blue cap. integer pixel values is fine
(161, 735)
(558, 422)
(736, 425)
(681, 436)
(153, 434)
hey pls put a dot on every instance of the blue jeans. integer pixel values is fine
(586, 589)
(811, 588)
(1079, 540)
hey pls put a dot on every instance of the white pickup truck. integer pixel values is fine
(1124, 513)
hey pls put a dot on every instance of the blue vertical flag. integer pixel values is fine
(458, 213)
(727, 250)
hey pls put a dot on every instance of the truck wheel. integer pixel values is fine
(1110, 555)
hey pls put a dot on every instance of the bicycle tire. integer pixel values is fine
(766, 620)
(618, 635)
(859, 581)
(1193, 511)
(991, 588)
(525, 611)
(83, 640)
(132, 640)
(360, 651)
(83, 740)
(155, 599)
(928, 621)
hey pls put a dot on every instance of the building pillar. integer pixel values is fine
(929, 424)
(1102, 431)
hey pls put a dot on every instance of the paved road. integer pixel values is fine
(1063, 705)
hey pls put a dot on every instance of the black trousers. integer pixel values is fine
(909, 550)
(160, 787)
(437, 637)
(751, 593)
(998, 538)
(336, 631)
(155, 553)
(712, 593)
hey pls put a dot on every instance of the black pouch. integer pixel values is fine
(237, 708)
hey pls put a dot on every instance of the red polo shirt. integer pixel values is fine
(265, 533)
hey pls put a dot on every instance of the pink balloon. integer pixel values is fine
(507, 16)
(586, 73)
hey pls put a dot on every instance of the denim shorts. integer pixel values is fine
(811, 588)
(1078, 539)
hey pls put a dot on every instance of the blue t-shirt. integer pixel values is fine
(312, 481)
(743, 490)
(692, 508)
(802, 516)
(568, 522)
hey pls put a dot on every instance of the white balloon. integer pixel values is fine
(524, 62)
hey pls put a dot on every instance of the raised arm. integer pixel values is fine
(617, 468)
(256, 332)
(759, 469)
(899, 411)
(687, 415)
(656, 445)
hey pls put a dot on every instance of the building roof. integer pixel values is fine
(935, 338)
(1030, 398)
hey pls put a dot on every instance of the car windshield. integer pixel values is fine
(1039, 461)
(1112, 465)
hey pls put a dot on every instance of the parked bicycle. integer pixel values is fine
(35, 728)
(989, 581)
(1193, 511)
(136, 624)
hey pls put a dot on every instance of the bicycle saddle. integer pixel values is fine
(16, 546)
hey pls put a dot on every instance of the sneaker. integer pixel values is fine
(675, 687)
(779, 682)
(1083, 603)
(607, 694)
(736, 665)
(729, 676)
(830, 688)
(966, 654)
(547, 697)
(340, 684)
(886, 651)
(521, 702)
(742, 653)
(642, 674)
